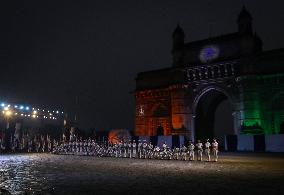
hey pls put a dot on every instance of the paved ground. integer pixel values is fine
(239, 173)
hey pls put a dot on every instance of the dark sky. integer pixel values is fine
(52, 50)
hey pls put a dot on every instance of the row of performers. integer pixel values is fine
(140, 149)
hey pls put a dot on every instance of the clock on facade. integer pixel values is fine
(209, 53)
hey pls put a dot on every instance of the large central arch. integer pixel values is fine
(213, 115)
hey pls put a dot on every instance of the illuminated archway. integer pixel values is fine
(213, 115)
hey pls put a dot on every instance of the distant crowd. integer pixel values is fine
(38, 143)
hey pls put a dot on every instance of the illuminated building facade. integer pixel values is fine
(183, 99)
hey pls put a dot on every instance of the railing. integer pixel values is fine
(210, 71)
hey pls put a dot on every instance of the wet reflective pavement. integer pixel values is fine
(23, 174)
(61, 174)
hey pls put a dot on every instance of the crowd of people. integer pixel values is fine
(140, 149)
(27, 143)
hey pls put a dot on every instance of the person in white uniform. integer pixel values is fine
(134, 150)
(207, 150)
(215, 150)
(191, 150)
(199, 147)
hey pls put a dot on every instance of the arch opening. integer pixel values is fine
(160, 130)
(213, 117)
(159, 120)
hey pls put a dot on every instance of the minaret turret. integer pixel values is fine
(244, 22)
(178, 38)
(178, 46)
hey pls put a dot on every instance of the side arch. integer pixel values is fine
(160, 119)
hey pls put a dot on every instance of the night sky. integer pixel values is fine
(52, 50)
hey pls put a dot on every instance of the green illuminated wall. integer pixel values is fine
(262, 104)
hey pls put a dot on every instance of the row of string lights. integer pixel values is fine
(10, 110)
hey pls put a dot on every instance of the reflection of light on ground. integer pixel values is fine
(46, 173)
(17, 174)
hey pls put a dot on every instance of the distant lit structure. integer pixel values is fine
(117, 135)
(29, 119)
(25, 111)
(231, 68)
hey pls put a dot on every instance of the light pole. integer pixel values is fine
(7, 114)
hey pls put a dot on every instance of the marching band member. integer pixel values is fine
(156, 152)
(184, 153)
(120, 145)
(139, 149)
(134, 149)
(144, 149)
(125, 148)
(116, 150)
(207, 150)
(191, 150)
(129, 151)
(199, 147)
(164, 152)
(150, 150)
(175, 153)
(215, 149)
